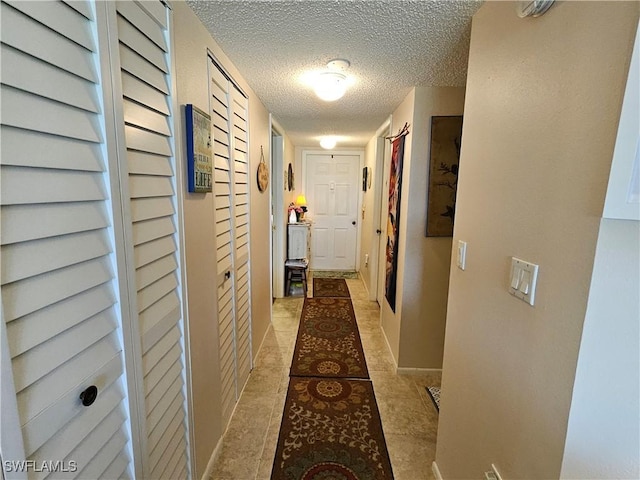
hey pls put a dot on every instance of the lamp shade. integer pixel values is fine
(330, 86)
(301, 200)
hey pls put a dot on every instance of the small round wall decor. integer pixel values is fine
(263, 173)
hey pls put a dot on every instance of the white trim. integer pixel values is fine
(11, 444)
(436, 471)
(183, 291)
(276, 194)
(115, 151)
(356, 152)
(416, 371)
(381, 175)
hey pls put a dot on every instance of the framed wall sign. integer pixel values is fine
(199, 164)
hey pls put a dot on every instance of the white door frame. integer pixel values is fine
(382, 206)
(381, 133)
(278, 221)
(303, 181)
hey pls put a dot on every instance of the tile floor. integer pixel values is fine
(409, 419)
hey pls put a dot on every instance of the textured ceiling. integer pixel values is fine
(392, 45)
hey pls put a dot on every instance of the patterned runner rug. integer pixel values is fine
(331, 430)
(434, 393)
(330, 287)
(328, 343)
(334, 274)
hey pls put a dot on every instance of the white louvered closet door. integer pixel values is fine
(149, 179)
(240, 130)
(229, 125)
(59, 293)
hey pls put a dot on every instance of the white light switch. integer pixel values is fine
(523, 280)
(461, 258)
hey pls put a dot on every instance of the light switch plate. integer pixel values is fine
(523, 278)
(461, 258)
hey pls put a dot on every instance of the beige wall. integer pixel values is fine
(391, 321)
(426, 275)
(542, 104)
(191, 43)
(416, 331)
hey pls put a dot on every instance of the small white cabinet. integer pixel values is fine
(298, 240)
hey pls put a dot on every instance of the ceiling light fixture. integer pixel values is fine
(332, 85)
(533, 8)
(328, 142)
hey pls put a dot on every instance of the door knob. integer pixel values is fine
(378, 231)
(89, 396)
(353, 223)
(227, 275)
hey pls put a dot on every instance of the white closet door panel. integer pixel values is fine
(242, 230)
(30, 149)
(95, 440)
(221, 149)
(147, 208)
(174, 462)
(241, 167)
(156, 328)
(169, 428)
(145, 141)
(80, 6)
(222, 202)
(148, 274)
(219, 123)
(218, 78)
(63, 409)
(168, 361)
(220, 95)
(157, 352)
(36, 328)
(82, 424)
(222, 215)
(240, 157)
(146, 186)
(18, 107)
(149, 295)
(25, 73)
(43, 359)
(49, 186)
(151, 251)
(145, 71)
(155, 10)
(27, 259)
(224, 239)
(164, 450)
(240, 188)
(27, 296)
(117, 469)
(140, 116)
(137, 41)
(60, 18)
(139, 91)
(37, 396)
(222, 189)
(156, 391)
(148, 230)
(138, 17)
(240, 177)
(33, 38)
(105, 457)
(141, 163)
(158, 400)
(22, 223)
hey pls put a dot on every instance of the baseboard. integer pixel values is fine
(212, 460)
(436, 471)
(386, 340)
(416, 371)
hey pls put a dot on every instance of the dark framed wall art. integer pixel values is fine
(444, 161)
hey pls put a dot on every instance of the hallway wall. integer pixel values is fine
(191, 43)
(416, 330)
(541, 114)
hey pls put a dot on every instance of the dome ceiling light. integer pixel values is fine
(328, 142)
(332, 85)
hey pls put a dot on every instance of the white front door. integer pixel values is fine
(332, 190)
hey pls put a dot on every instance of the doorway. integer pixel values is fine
(277, 213)
(383, 162)
(333, 195)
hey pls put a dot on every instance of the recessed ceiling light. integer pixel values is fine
(328, 142)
